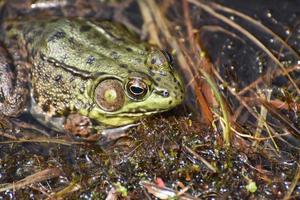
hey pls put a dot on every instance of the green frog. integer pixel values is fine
(73, 72)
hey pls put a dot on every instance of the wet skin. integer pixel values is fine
(92, 70)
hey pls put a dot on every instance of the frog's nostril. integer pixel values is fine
(164, 93)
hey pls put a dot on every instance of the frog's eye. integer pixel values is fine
(109, 95)
(136, 89)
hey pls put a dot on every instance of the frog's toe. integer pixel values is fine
(78, 125)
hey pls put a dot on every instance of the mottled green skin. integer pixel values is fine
(68, 58)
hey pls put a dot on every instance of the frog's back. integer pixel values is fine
(79, 42)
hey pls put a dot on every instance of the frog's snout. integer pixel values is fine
(163, 92)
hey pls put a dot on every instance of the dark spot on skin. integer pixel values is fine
(103, 43)
(138, 60)
(151, 73)
(90, 60)
(81, 89)
(123, 66)
(8, 27)
(54, 20)
(142, 53)
(181, 97)
(46, 78)
(129, 49)
(20, 26)
(71, 40)
(64, 57)
(42, 25)
(2, 97)
(30, 40)
(170, 102)
(28, 29)
(43, 57)
(57, 78)
(33, 52)
(158, 79)
(129, 71)
(56, 36)
(38, 32)
(39, 72)
(85, 28)
(114, 55)
(162, 73)
(153, 61)
(23, 83)
(46, 106)
(8, 67)
(176, 88)
(72, 79)
(14, 36)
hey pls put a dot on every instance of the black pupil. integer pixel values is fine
(136, 90)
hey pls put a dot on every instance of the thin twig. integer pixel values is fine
(43, 175)
(43, 140)
(293, 184)
(197, 156)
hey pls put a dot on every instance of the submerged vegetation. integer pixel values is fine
(237, 135)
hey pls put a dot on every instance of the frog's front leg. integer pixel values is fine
(78, 125)
(82, 126)
(14, 91)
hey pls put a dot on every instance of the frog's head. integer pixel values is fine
(123, 78)
(122, 98)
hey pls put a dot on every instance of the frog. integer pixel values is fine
(92, 74)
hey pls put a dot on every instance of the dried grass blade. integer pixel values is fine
(248, 35)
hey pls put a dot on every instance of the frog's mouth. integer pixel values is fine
(120, 119)
(140, 113)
